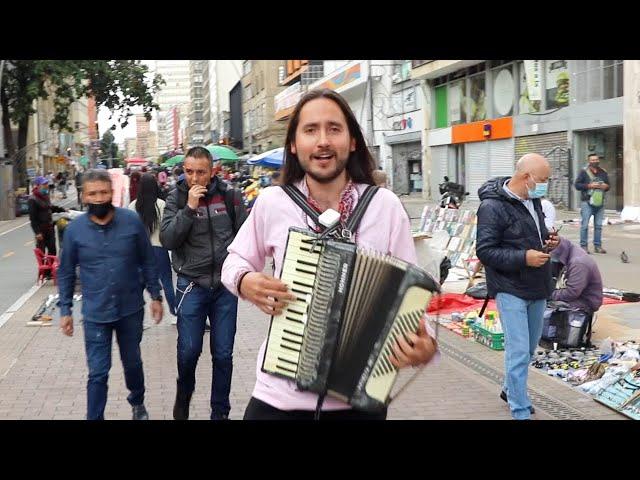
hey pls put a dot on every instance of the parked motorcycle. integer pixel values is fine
(451, 193)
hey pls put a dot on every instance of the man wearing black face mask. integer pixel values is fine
(116, 261)
(592, 182)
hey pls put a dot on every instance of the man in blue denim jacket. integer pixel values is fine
(116, 262)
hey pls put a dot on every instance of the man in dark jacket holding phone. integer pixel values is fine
(201, 217)
(513, 244)
(592, 182)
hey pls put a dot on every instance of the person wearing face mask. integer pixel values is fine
(40, 210)
(513, 244)
(112, 248)
(592, 182)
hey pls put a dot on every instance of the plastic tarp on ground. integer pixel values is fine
(459, 302)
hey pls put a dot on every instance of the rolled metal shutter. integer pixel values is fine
(439, 167)
(501, 153)
(477, 167)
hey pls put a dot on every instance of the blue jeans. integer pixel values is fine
(221, 306)
(522, 322)
(97, 342)
(166, 278)
(586, 211)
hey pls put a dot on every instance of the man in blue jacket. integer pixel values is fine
(592, 182)
(116, 261)
(513, 245)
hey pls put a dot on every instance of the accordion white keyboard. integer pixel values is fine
(285, 336)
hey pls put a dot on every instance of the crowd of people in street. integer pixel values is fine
(196, 220)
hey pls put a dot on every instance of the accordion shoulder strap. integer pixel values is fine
(354, 220)
(298, 197)
(361, 207)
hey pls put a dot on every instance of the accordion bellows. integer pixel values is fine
(351, 306)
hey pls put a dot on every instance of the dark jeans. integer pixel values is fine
(166, 277)
(259, 410)
(586, 212)
(97, 341)
(48, 241)
(221, 306)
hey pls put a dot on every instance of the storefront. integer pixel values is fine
(562, 109)
(607, 144)
(472, 153)
(407, 167)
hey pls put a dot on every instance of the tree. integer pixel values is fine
(109, 148)
(120, 162)
(114, 84)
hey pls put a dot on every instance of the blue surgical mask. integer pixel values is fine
(44, 191)
(540, 190)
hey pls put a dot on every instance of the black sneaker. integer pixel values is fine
(503, 396)
(181, 405)
(140, 413)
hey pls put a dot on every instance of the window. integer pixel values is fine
(404, 101)
(598, 80)
(401, 71)
(530, 86)
(441, 106)
(264, 114)
(456, 94)
(476, 104)
(246, 67)
(504, 91)
(557, 84)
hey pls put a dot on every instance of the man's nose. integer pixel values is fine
(323, 139)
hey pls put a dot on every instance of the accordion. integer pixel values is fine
(351, 306)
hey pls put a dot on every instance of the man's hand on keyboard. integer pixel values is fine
(266, 292)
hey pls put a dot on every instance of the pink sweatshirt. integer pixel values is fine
(384, 227)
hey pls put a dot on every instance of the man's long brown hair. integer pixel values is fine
(360, 164)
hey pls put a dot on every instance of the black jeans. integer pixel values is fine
(48, 241)
(259, 410)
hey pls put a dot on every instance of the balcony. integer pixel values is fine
(353, 74)
(419, 63)
(286, 100)
(430, 69)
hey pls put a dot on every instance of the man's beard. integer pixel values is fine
(327, 178)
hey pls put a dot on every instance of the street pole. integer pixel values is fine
(1, 124)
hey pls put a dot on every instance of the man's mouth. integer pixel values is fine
(322, 156)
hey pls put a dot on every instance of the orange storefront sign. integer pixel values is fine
(477, 131)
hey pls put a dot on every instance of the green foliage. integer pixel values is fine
(114, 84)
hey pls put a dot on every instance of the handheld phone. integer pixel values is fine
(545, 248)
